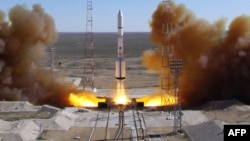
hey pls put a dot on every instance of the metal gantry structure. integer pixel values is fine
(166, 50)
(171, 67)
(175, 68)
(88, 65)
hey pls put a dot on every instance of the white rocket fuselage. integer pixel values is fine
(120, 72)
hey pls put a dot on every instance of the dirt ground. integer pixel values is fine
(104, 72)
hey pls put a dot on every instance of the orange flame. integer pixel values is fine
(155, 100)
(120, 95)
(84, 99)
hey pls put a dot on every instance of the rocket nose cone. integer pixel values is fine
(120, 13)
(120, 19)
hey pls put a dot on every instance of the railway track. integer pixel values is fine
(140, 125)
(100, 130)
(93, 129)
(121, 125)
(107, 125)
(99, 122)
(105, 119)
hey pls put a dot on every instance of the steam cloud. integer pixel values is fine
(23, 41)
(216, 61)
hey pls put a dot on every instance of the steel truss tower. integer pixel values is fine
(166, 49)
(175, 68)
(88, 66)
(170, 66)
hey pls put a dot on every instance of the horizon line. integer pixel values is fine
(103, 32)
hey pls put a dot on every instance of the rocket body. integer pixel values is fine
(120, 72)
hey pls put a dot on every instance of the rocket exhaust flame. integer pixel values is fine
(84, 99)
(120, 97)
(216, 63)
(155, 100)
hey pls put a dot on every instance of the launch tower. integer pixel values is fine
(88, 66)
(171, 66)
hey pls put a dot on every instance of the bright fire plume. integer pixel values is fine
(84, 99)
(155, 100)
(120, 94)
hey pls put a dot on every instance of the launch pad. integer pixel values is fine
(72, 123)
(129, 111)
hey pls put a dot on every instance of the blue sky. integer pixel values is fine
(69, 15)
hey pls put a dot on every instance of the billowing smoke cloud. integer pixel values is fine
(23, 41)
(216, 61)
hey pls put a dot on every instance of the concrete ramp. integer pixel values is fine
(46, 124)
(209, 131)
(28, 130)
(3, 126)
(192, 117)
(10, 137)
(17, 106)
(23, 130)
(65, 119)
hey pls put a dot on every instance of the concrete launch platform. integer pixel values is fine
(22, 121)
